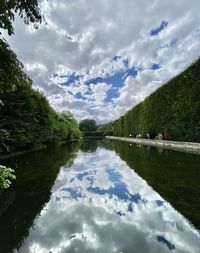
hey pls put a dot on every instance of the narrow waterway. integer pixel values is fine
(102, 196)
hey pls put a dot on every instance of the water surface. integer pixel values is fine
(92, 201)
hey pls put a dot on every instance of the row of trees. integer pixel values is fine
(90, 126)
(90, 129)
(26, 119)
(10, 69)
(106, 129)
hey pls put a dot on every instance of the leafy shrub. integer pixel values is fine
(6, 174)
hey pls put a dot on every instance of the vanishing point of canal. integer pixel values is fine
(102, 196)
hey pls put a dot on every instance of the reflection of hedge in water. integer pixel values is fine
(89, 145)
(175, 108)
(23, 201)
(174, 175)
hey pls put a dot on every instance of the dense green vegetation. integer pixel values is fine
(26, 119)
(88, 125)
(106, 129)
(173, 108)
(89, 130)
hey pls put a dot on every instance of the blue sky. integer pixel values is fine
(157, 30)
(116, 80)
(98, 59)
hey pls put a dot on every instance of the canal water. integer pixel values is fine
(102, 196)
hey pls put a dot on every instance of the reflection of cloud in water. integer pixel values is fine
(100, 205)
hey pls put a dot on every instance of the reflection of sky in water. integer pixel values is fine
(100, 205)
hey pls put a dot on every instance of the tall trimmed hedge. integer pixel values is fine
(175, 108)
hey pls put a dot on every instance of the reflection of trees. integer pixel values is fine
(174, 175)
(36, 173)
(89, 145)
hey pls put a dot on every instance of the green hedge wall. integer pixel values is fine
(175, 108)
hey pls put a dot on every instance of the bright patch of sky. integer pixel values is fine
(98, 59)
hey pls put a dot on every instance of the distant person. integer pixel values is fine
(147, 135)
(160, 136)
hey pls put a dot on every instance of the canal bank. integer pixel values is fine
(189, 147)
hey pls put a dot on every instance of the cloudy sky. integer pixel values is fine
(99, 58)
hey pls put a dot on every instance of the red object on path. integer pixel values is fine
(167, 136)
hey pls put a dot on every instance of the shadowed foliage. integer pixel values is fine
(88, 125)
(24, 200)
(174, 175)
(26, 119)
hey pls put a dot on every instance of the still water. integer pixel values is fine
(103, 197)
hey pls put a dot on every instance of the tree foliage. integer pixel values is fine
(175, 108)
(106, 129)
(88, 125)
(26, 9)
(11, 75)
(6, 174)
(26, 119)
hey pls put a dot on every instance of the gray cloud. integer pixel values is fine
(83, 36)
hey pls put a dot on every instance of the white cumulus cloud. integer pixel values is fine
(82, 37)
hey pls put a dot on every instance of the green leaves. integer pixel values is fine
(26, 119)
(87, 125)
(106, 129)
(11, 75)
(28, 10)
(6, 175)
